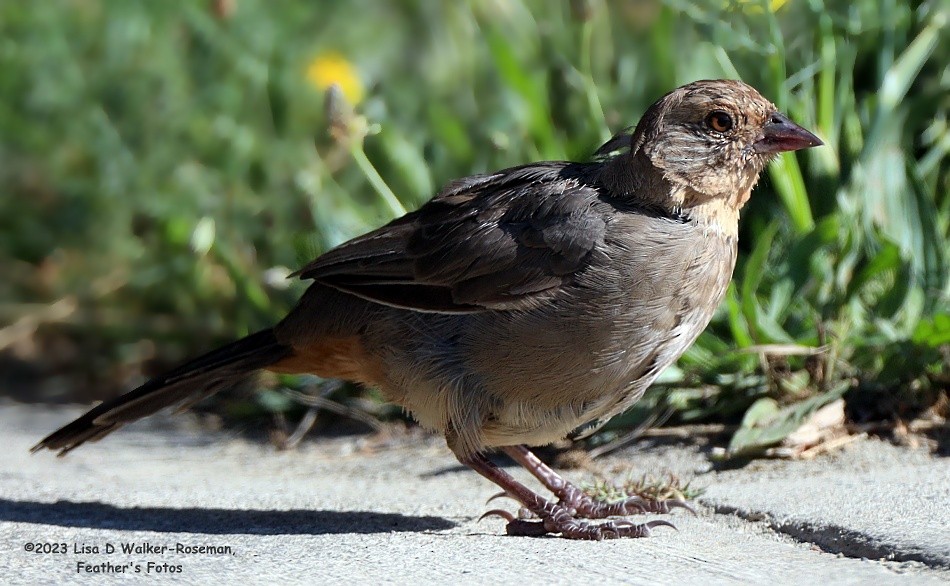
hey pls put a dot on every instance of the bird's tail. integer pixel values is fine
(186, 385)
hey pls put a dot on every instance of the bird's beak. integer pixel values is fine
(781, 134)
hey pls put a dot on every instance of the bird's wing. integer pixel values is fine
(495, 241)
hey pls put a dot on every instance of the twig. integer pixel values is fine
(655, 419)
(915, 426)
(830, 445)
(374, 178)
(26, 326)
(685, 431)
(303, 427)
(333, 407)
(783, 349)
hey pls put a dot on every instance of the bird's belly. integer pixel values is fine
(582, 384)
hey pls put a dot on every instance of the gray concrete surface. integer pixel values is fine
(331, 512)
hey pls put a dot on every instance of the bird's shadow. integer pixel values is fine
(95, 515)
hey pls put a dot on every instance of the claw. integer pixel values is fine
(497, 496)
(659, 523)
(497, 513)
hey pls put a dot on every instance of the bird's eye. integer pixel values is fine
(719, 121)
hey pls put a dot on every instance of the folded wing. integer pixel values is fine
(487, 242)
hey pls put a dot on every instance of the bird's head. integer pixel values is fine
(710, 139)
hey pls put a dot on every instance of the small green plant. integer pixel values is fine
(647, 487)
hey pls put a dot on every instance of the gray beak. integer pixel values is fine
(781, 134)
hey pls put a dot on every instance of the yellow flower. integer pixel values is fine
(755, 6)
(331, 68)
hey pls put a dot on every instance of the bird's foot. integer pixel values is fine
(558, 520)
(540, 516)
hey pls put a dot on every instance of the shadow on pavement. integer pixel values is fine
(95, 515)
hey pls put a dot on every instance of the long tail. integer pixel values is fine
(187, 384)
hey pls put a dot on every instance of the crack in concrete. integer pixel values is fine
(835, 539)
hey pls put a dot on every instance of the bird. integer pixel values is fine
(520, 307)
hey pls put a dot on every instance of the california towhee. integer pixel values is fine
(520, 306)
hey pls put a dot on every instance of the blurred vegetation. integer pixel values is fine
(164, 165)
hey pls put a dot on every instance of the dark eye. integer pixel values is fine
(719, 121)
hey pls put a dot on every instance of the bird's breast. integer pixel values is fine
(670, 283)
(593, 351)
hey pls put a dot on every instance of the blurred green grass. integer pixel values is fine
(163, 165)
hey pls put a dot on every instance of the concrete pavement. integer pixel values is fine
(165, 500)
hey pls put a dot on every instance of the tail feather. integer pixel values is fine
(189, 383)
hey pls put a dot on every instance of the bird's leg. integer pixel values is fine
(553, 518)
(579, 502)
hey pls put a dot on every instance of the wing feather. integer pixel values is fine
(485, 242)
